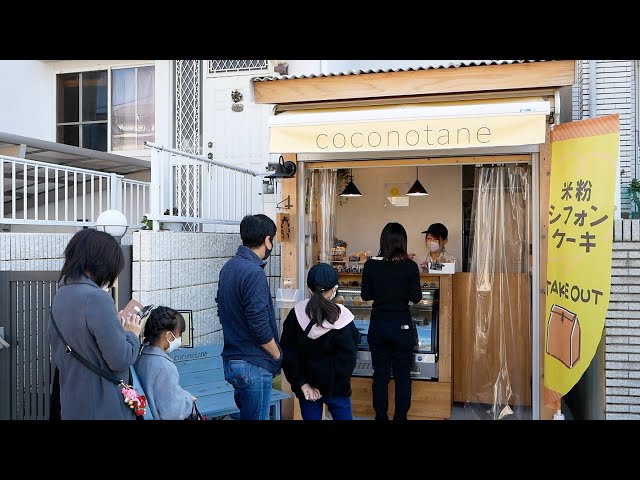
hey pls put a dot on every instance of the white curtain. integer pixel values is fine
(132, 108)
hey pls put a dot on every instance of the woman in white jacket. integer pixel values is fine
(159, 377)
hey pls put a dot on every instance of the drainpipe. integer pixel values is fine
(592, 88)
(636, 77)
(595, 373)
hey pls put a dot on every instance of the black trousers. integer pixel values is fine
(392, 350)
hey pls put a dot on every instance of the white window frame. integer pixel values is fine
(109, 68)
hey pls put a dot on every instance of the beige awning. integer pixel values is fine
(432, 126)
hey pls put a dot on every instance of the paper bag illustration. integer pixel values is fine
(563, 336)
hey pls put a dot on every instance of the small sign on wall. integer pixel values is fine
(187, 335)
(284, 227)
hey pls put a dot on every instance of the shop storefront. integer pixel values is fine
(477, 139)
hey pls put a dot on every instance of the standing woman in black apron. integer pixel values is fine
(391, 280)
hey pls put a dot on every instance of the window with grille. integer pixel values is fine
(223, 66)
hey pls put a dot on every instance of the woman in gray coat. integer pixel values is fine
(86, 316)
(159, 377)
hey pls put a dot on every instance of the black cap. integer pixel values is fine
(438, 230)
(322, 275)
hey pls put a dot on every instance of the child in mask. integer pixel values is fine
(435, 239)
(158, 375)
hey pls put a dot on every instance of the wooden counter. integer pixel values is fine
(492, 360)
(429, 399)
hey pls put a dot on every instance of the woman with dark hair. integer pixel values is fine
(86, 318)
(319, 344)
(391, 280)
(158, 375)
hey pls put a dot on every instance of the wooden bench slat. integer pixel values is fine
(202, 374)
(198, 366)
(224, 403)
(209, 388)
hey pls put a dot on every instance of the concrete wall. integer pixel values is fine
(622, 328)
(36, 251)
(181, 271)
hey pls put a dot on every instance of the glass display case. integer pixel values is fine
(424, 315)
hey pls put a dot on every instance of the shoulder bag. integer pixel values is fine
(137, 402)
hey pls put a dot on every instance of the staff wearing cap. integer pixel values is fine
(319, 347)
(436, 237)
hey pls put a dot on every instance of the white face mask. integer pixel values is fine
(175, 343)
(433, 246)
(106, 289)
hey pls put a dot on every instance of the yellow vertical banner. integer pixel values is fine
(584, 162)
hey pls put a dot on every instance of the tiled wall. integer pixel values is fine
(622, 328)
(35, 251)
(181, 270)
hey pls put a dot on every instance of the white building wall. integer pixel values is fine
(615, 93)
(344, 65)
(28, 96)
(25, 99)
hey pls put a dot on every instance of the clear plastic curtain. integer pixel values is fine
(327, 205)
(498, 367)
(320, 210)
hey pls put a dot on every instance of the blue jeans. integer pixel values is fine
(251, 388)
(339, 407)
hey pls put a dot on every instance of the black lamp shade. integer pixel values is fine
(351, 190)
(417, 190)
(283, 169)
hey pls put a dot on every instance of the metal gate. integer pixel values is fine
(25, 366)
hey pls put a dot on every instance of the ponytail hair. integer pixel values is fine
(319, 308)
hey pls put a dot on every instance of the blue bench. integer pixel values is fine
(202, 375)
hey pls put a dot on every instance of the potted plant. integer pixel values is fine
(171, 226)
(147, 224)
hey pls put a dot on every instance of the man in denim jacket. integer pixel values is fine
(251, 353)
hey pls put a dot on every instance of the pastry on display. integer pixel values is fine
(339, 299)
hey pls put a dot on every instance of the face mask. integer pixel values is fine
(175, 343)
(267, 251)
(433, 246)
(106, 289)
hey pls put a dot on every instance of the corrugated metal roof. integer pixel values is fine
(449, 64)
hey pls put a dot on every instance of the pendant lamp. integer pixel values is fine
(351, 190)
(417, 190)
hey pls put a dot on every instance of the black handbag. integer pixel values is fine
(195, 413)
